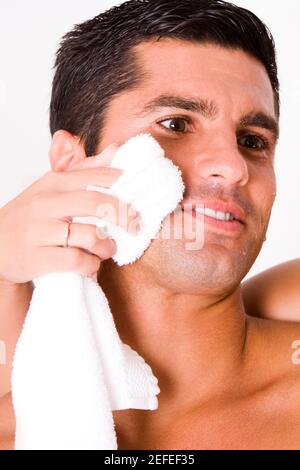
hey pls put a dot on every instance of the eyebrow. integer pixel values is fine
(209, 110)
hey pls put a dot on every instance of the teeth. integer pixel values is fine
(215, 214)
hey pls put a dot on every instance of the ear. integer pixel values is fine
(65, 151)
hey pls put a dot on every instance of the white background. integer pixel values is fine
(29, 35)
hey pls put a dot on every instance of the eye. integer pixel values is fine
(175, 124)
(254, 142)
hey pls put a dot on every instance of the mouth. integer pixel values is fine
(225, 217)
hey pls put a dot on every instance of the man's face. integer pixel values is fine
(222, 155)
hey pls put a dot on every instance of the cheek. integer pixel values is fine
(263, 190)
(268, 187)
(184, 152)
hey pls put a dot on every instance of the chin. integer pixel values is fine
(215, 269)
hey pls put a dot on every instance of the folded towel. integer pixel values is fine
(70, 368)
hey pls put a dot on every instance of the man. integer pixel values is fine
(201, 77)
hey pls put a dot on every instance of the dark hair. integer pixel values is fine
(95, 62)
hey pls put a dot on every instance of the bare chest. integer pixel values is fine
(236, 428)
(245, 430)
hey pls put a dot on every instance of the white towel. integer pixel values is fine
(71, 369)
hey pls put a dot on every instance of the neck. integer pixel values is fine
(194, 344)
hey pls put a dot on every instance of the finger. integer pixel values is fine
(84, 236)
(102, 159)
(58, 259)
(91, 204)
(80, 179)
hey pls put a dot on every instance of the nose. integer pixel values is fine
(222, 161)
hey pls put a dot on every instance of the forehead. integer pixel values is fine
(209, 70)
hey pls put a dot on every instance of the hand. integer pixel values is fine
(32, 226)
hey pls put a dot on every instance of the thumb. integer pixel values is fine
(102, 159)
(106, 156)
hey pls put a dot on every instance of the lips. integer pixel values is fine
(217, 205)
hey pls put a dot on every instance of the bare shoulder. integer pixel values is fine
(274, 340)
(274, 293)
(283, 274)
(274, 347)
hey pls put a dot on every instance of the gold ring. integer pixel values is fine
(67, 233)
